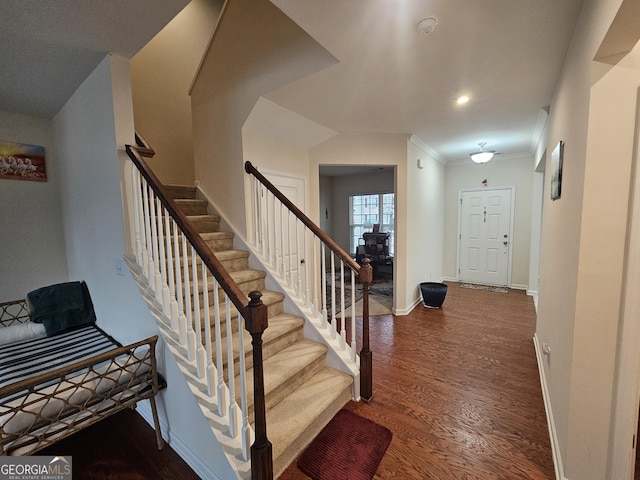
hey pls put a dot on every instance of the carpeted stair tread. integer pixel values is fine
(191, 201)
(295, 421)
(204, 223)
(284, 329)
(227, 257)
(285, 371)
(218, 241)
(203, 218)
(248, 280)
(302, 394)
(273, 301)
(215, 235)
(180, 191)
(192, 206)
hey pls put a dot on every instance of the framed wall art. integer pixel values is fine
(556, 170)
(19, 161)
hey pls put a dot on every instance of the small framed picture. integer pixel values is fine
(19, 161)
(556, 170)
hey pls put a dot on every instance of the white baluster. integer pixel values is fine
(233, 409)
(157, 276)
(246, 426)
(284, 241)
(290, 252)
(206, 318)
(173, 301)
(333, 296)
(277, 237)
(200, 353)
(353, 316)
(258, 219)
(343, 330)
(253, 188)
(135, 201)
(143, 259)
(262, 221)
(272, 241)
(323, 283)
(299, 257)
(305, 267)
(189, 330)
(182, 319)
(150, 267)
(166, 301)
(315, 276)
(222, 401)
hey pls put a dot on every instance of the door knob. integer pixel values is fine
(505, 242)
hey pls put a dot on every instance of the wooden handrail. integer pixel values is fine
(143, 147)
(237, 296)
(326, 239)
(364, 272)
(254, 312)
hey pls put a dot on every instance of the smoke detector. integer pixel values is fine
(427, 25)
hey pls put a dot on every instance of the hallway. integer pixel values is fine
(459, 389)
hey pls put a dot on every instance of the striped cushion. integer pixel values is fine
(22, 360)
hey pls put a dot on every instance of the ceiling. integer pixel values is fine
(505, 54)
(49, 48)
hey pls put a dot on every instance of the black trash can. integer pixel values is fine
(433, 294)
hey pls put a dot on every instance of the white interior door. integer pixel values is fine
(485, 236)
(288, 240)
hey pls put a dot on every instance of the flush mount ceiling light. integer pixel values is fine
(427, 25)
(461, 100)
(483, 156)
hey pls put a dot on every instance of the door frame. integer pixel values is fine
(512, 189)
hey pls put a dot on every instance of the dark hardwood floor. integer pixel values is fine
(458, 387)
(122, 447)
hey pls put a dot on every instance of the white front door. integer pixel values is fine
(485, 236)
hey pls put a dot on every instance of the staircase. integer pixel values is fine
(301, 392)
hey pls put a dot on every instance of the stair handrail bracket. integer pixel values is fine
(193, 298)
(323, 279)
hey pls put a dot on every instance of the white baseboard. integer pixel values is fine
(197, 465)
(553, 435)
(407, 311)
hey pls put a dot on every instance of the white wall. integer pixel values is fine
(268, 153)
(269, 51)
(501, 172)
(90, 132)
(31, 237)
(425, 221)
(161, 75)
(601, 262)
(583, 245)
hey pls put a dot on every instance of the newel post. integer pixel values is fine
(366, 376)
(256, 322)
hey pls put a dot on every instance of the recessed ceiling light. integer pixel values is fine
(462, 99)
